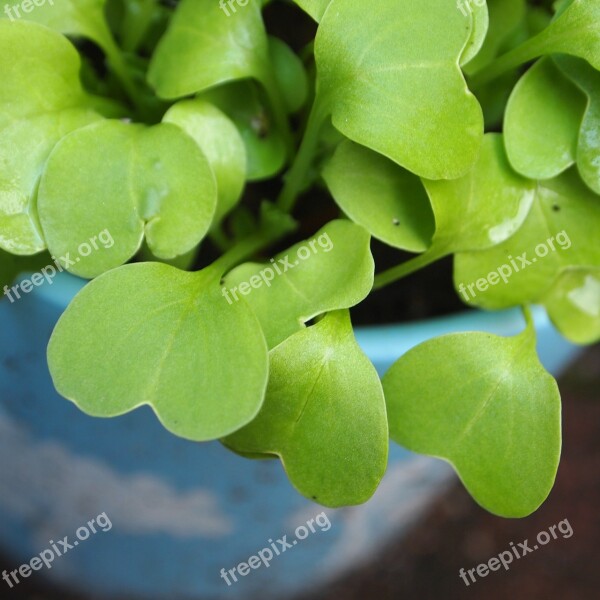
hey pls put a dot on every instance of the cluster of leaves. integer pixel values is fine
(431, 136)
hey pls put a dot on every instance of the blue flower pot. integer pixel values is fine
(180, 511)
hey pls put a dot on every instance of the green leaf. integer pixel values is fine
(166, 339)
(505, 16)
(80, 18)
(542, 121)
(221, 143)
(324, 415)
(83, 18)
(588, 147)
(483, 208)
(245, 105)
(315, 8)
(289, 74)
(41, 100)
(556, 235)
(137, 21)
(204, 48)
(334, 270)
(574, 31)
(157, 183)
(479, 29)
(373, 64)
(573, 304)
(486, 405)
(374, 192)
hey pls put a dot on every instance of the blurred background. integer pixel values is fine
(455, 533)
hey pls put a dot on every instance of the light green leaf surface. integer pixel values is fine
(157, 183)
(166, 339)
(221, 143)
(41, 100)
(324, 415)
(565, 216)
(483, 208)
(373, 64)
(331, 271)
(588, 147)
(204, 48)
(486, 405)
(573, 304)
(387, 200)
(83, 18)
(542, 122)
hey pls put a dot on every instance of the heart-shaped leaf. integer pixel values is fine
(41, 100)
(166, 339)
(588, 147)
(387, 200)
(483, 208)
(332, 271)
(324, 415)
(221, 143)
(485, 404)
(542, 122)
(157, 183)
(373, 64)
(556, 235)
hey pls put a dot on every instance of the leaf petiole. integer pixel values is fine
(296, 176)
(408, 268)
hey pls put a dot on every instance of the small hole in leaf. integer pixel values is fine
(555, 207)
